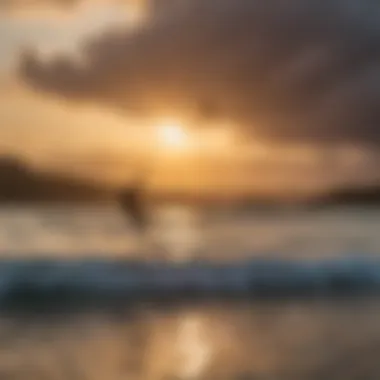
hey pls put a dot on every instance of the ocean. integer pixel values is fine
(201, 294)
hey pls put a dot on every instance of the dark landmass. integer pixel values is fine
(361, 196)
(215, 198)
(351, 196)
(19, 184)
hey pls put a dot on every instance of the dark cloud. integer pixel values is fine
(287, 70)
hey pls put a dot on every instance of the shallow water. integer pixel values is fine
(179, 233)
(289, 339)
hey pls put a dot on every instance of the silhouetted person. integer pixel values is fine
(133, 205)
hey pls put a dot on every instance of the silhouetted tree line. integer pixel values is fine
(360, 196)
(18, 183)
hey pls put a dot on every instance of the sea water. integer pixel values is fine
(234, 338)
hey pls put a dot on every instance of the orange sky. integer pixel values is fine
(95, 142)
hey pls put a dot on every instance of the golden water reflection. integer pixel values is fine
(321, 340)
(185, 335)
(177, 231)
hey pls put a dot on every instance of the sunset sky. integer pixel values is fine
(220, 95)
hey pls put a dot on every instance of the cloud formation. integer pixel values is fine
(21, 5)
(9, 5)
(286, 70)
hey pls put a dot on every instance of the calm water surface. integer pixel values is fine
(180, 233)
(245, 340)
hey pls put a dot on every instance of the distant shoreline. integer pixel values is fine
(365, 196)
(20, 185)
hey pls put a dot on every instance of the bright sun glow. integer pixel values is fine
(172, 135)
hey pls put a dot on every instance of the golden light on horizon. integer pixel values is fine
(173, 136)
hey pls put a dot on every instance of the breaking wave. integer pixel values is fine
(43, 285)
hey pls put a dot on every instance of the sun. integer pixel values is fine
(172, 135)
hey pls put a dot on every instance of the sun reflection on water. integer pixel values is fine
(213, 341)
(178, 231)
(192, 346)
